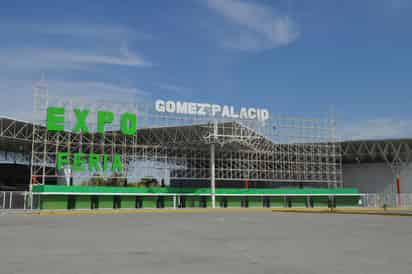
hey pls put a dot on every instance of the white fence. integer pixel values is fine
(14, 200)
(375, 200)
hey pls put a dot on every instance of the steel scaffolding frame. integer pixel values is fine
(282, 149)
(397, 154)
(16, 130)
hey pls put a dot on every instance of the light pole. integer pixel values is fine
(212, 175)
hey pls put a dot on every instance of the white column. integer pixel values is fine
(25, 200)
(212, 175)
(10, 199)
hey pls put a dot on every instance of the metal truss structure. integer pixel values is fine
(12, 131)
(178, 146)
(15, 141)
(397, 154)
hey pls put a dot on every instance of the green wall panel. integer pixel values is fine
(192, 201)
(320, 201)
(233, 201)
(128, 202)
(149, 202)
(105, 202)
(137, 190)
(346, 201)
(276, 202)
(82, 194)
(208, 201)
(168, 202)
(255, 202)
(219, 200)
(53, 202)
(82, 202)
(298, 201)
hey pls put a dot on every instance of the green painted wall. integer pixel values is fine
(168, 202)
(82, 202)
(276, 202)
(233, 201)
(105, 202)
(149, 202)
(53, 202)
(192, 201)
(255, 202)
(320, 201)
(219, 201)
(208, 201)
(298, 201)
(346, 201)
(137, 190)
(128, 202)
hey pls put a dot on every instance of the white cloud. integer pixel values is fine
(398, 4)
(261, 27)
(93, 88)
(17, 94)
(79, 31)
(84, 45)
(59, 50)
(180, 90)
(377, 129)
(55, 58)
(103, 32)
(125, 58)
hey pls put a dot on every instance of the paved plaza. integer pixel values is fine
(212, 242)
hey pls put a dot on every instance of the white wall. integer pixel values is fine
(375, 178)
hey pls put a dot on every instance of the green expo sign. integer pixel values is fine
(92, 162)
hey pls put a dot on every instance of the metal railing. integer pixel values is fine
(20, 200)
(379, 200)
(14, 200)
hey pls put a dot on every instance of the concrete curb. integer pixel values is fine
(131, 211)
(358, 211)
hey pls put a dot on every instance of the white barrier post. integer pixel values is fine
(24, 201)
(10, 199)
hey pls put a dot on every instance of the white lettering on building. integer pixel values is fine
(203, 109)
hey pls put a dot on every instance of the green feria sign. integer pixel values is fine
(90, 162)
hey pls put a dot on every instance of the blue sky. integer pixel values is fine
(294, 57)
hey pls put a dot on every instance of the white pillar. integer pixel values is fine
(25, 200)
(212, 175)
(10, 199)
